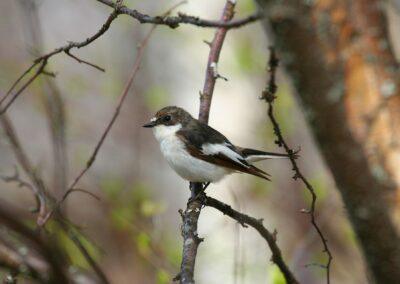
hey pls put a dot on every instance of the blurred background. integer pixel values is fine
(134, 230)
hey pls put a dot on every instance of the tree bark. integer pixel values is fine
(339, 57)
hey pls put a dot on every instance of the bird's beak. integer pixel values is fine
(150, 124)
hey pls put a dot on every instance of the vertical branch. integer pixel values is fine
(269, 96)
(213, 58)
(192, 213)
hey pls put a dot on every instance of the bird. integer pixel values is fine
(199, 153)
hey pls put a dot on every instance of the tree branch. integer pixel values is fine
(135, 68)
(192, 213)
(119, 9)
(269, 96)
(43, 60)
(269, 237)
(38, 187)
(174, 22)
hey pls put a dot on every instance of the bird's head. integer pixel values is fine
(168, 120)
(169, 116)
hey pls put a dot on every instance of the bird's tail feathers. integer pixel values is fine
(258, 172)
(252, 155)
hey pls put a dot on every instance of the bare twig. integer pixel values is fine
(21, 183)
(213, 58)
(174, 22)
(92, 158)
(24, 86)
(38, 187)
(17, 82)
(269, 96)
(42, 60)
(269, 237)
(119, 9)
(191, 215)
(84, 61)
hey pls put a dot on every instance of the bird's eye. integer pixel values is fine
(167, 118)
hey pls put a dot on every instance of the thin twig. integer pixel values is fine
(269, 237)
(213, 58)
(17, 81)
(85, 62)
(119, 9)
(24, 86)
(21, 183)
(269, 96)
(174, 22)
(38, 187)
(136, 65)
(42, 60)
(191, 215)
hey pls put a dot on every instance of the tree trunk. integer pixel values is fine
(339, 57)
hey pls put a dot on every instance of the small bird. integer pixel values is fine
(198, 152)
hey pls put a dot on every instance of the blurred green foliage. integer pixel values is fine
(246, 58)
(143, 242)
(65, 241)
(131, 211)
(156, 97)
(163, 277)
(276, 276)
(285, 110)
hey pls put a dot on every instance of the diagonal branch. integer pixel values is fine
(119, 9)
(43, 60)
(269, 237)
(136, 65)
(174, 22)
(39, 71)
(269, 96)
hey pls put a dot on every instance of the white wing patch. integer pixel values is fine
(212, 149)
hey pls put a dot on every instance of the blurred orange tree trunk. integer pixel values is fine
(338, 54)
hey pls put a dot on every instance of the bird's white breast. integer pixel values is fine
(187, 166)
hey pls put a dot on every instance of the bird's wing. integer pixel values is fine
(207, 144)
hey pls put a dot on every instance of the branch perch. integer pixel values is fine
(257, 224)
(191, 215)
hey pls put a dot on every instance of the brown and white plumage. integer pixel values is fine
(199, 153)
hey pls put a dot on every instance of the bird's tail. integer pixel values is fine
(252, 155)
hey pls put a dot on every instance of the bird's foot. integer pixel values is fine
(198, 193)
